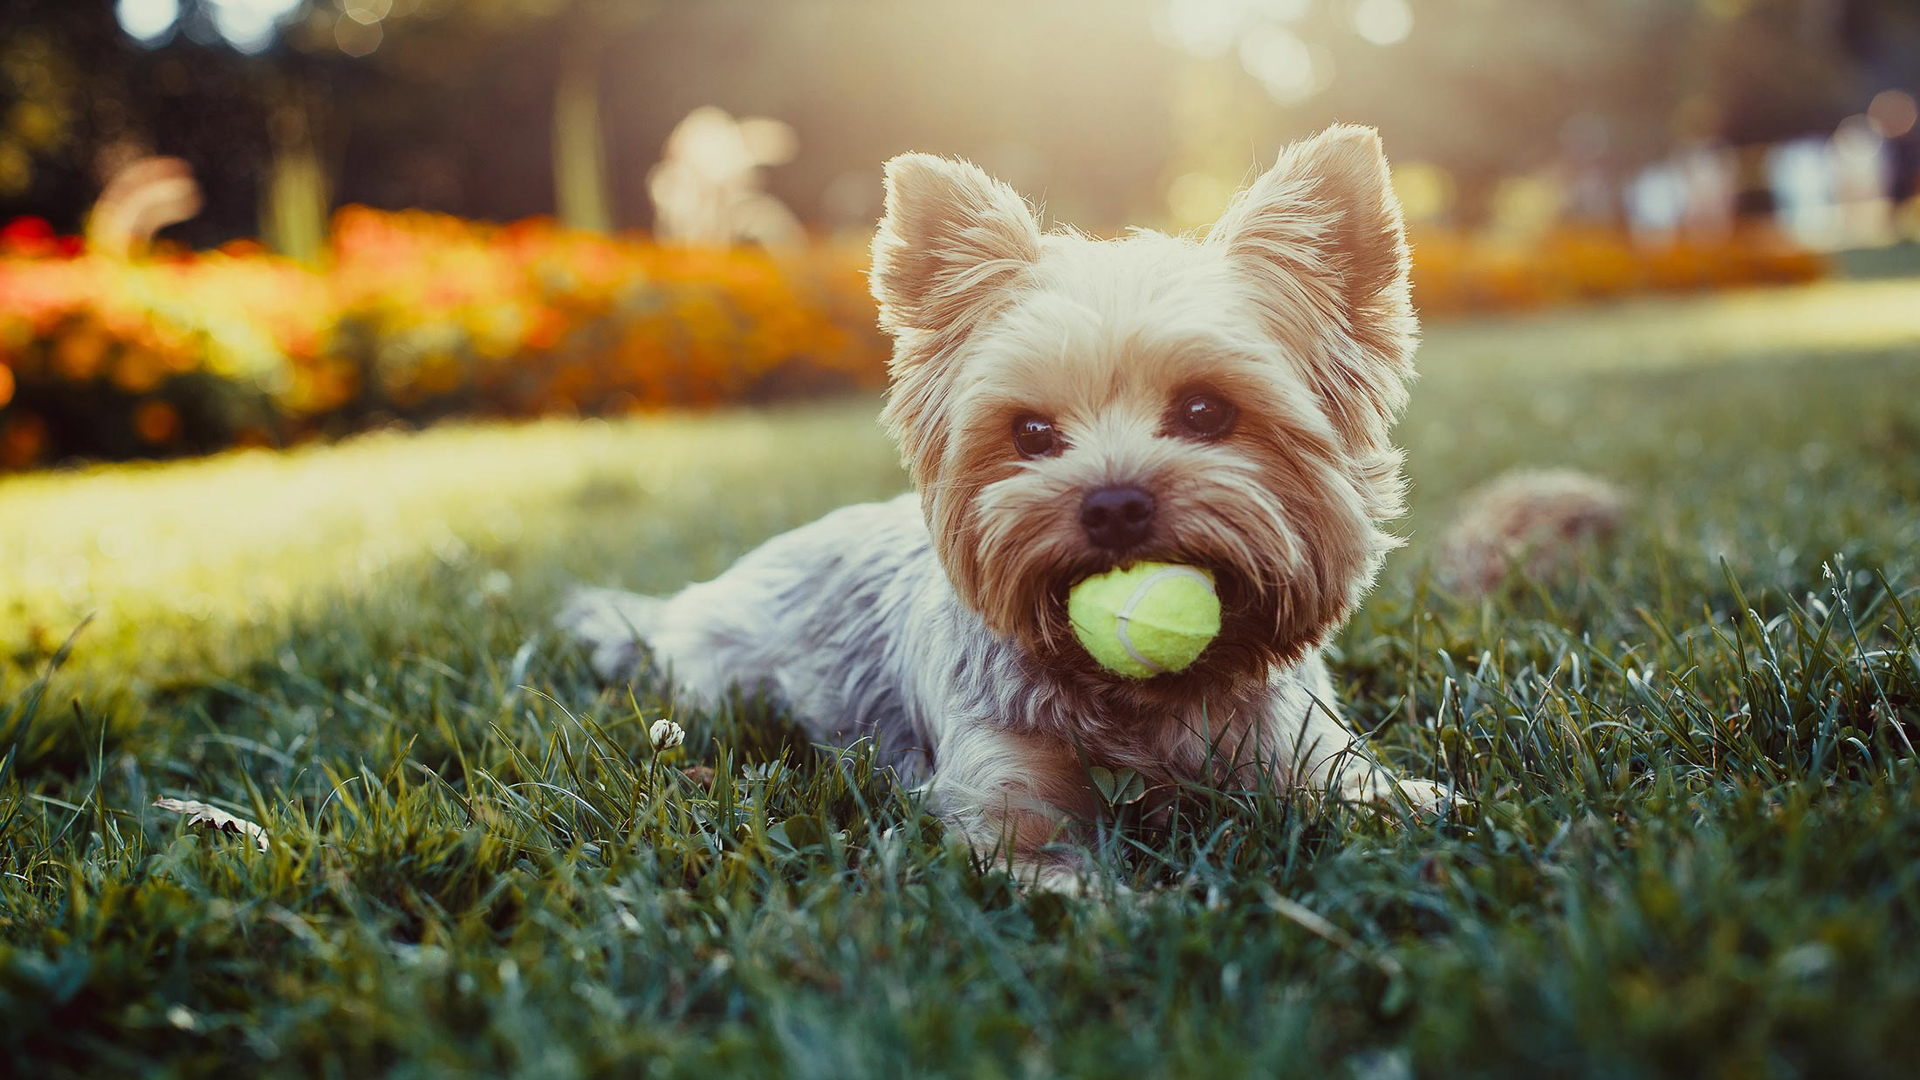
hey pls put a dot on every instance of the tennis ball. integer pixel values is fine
(1145, 619)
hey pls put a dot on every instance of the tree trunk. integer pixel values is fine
(579, 146)
(296, 197)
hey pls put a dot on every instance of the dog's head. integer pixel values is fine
(1066, 405)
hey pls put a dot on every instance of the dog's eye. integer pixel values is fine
(1205, 416)
(1035, 437)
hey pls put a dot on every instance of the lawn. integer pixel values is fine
(1693, 847)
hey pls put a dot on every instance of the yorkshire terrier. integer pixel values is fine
(1065, 406)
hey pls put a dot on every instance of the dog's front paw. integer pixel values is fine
(1422, 796)
(1070, 875)
(1377, 787)
(1055, 876)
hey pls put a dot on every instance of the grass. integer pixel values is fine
(1694, 848)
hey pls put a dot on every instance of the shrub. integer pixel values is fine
(414, 316)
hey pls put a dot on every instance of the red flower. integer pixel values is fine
(29, 236)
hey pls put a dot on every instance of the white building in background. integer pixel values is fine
(1835, 192)
(1656, 202)
(1692, 193)
(1800, 175)
(1827, 193)
(1862, 183)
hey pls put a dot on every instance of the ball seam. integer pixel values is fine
(1125, 614)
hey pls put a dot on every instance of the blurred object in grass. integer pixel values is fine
(1535, 521)
(200, 815)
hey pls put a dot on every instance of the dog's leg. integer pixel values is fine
(1320, 753)
(703, 637)
(814, 619)
(1326, 757)
(1017, 799)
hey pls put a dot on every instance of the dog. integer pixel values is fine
(1064, 406)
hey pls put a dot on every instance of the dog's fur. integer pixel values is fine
(935, 623)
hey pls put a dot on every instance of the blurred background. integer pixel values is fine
(256, 222)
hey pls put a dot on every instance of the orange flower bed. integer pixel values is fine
(527, 319)
(1456, 274)
(415, 316)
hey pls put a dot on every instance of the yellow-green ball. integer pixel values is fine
(1145, 619)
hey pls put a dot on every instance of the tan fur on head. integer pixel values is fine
(952, 237)
(1322, 231)
(1293, 308)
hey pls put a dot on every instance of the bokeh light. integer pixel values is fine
(357, 38)
(366, 11)
(1425, 190)
(250, 25)
(1203, 27)
(1383, 22)
(147, 21)
(1281, 61)
(1197, 197)
(1211, 27)
(1893, 113)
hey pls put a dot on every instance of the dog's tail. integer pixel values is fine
(1536, 520)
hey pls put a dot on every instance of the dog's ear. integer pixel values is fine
(952, 240)
(1321, 234)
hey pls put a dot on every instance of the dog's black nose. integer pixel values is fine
(1117, 518)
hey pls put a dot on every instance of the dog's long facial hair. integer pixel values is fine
(1066, 405)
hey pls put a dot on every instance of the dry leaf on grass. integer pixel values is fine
(200, 815)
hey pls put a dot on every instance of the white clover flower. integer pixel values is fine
(665, 735)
